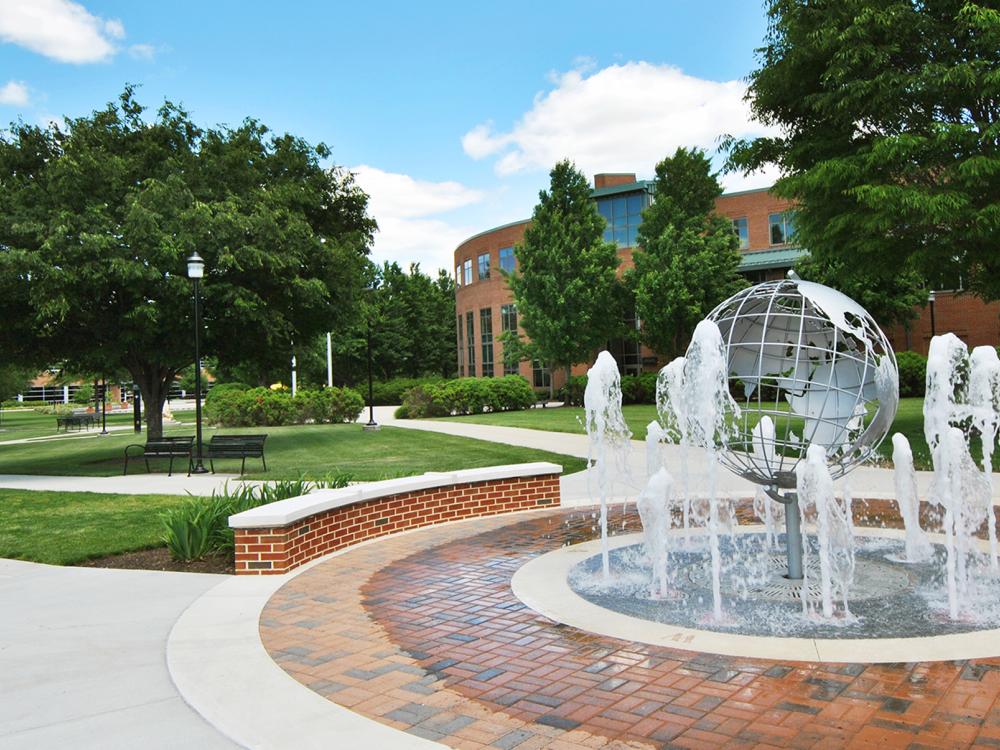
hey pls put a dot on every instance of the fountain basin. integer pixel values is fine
(544, 584)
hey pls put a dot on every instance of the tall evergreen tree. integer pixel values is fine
(688, 255)
(566, 288)
(888, 121)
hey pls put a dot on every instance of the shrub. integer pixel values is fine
(912, 373)
(467, 396)
(390, 392)
(571, 393)
(84, 394)
(232, 407)
(201, 526)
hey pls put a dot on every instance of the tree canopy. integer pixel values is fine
(888, 134)
(688, 255)
(566, 288)
(97, 219)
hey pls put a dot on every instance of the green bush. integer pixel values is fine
(912, 373)
(390, 392)
(467, 396)
(201, 526)
(84, 394)
(572, 391)
(231, 407)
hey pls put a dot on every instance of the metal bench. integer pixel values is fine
(236, 446)
(168, 447)
(75, 421)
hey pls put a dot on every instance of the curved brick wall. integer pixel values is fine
(276, 538)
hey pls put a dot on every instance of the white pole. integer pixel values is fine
(329, 360)
(65, 394)
(294, 376)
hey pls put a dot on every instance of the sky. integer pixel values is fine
(450, 114)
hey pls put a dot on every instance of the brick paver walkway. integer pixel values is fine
(422, 632)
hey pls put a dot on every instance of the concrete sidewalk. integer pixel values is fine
(82, 659)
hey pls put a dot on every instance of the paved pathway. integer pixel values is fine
(82, 659)
(133, 484)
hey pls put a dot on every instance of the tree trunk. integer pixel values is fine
(154, 384)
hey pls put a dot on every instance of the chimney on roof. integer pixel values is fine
(610, 179)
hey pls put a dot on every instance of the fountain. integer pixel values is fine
(792, 385)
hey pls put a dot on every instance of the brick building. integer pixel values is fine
(484, 305)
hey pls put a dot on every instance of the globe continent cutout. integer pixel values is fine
(808, 366)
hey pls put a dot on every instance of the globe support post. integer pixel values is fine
(793, 540)
(793, 530)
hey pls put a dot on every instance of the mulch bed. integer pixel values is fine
(159, 559)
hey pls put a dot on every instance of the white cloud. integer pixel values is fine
(142, 52)
(62, 30)
(621, 118)
(403, 207)
(14, 93)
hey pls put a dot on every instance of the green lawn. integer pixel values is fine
(909, 421)
(19, 424)
(62, 528)
(310, 450)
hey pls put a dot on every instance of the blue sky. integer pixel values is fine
(450, 114)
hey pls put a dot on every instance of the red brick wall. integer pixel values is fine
(277, 550)
(976, 322)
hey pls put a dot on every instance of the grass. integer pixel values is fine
(310, 451)
(62, 528)
(21, 424)
(909, 421)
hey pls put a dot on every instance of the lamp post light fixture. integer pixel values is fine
(196, 270)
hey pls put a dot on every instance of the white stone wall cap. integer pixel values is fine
(294, 509)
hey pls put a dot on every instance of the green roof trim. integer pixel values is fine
(628, 187)
(762, 260)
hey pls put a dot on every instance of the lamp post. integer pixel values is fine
(196, 270)
(930, 301)
(372, 425)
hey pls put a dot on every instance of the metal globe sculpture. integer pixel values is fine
(807, 366)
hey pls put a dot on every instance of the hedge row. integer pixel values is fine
(391, 392)
(467, 396)
(636, 389)
(230, 405)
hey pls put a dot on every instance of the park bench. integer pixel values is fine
(236, 446)
(168, 447)
(75, 421)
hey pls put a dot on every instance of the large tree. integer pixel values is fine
(688, 255)
(97, 219)
(887, 115)
(566, 288)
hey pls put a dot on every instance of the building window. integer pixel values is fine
(541, 375)
(486, 339)
(470, 344)
(623, 213)
(742, 231)
(458, 275)
(508, 322)
(467, 268)
(483, 261)
(782, 227)
(461, 349)
(507, 259)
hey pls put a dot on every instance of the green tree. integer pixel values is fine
(688, 255)
(566, 287)
(413, 328)
(888, 121)
(889, 300)
(97, 219)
